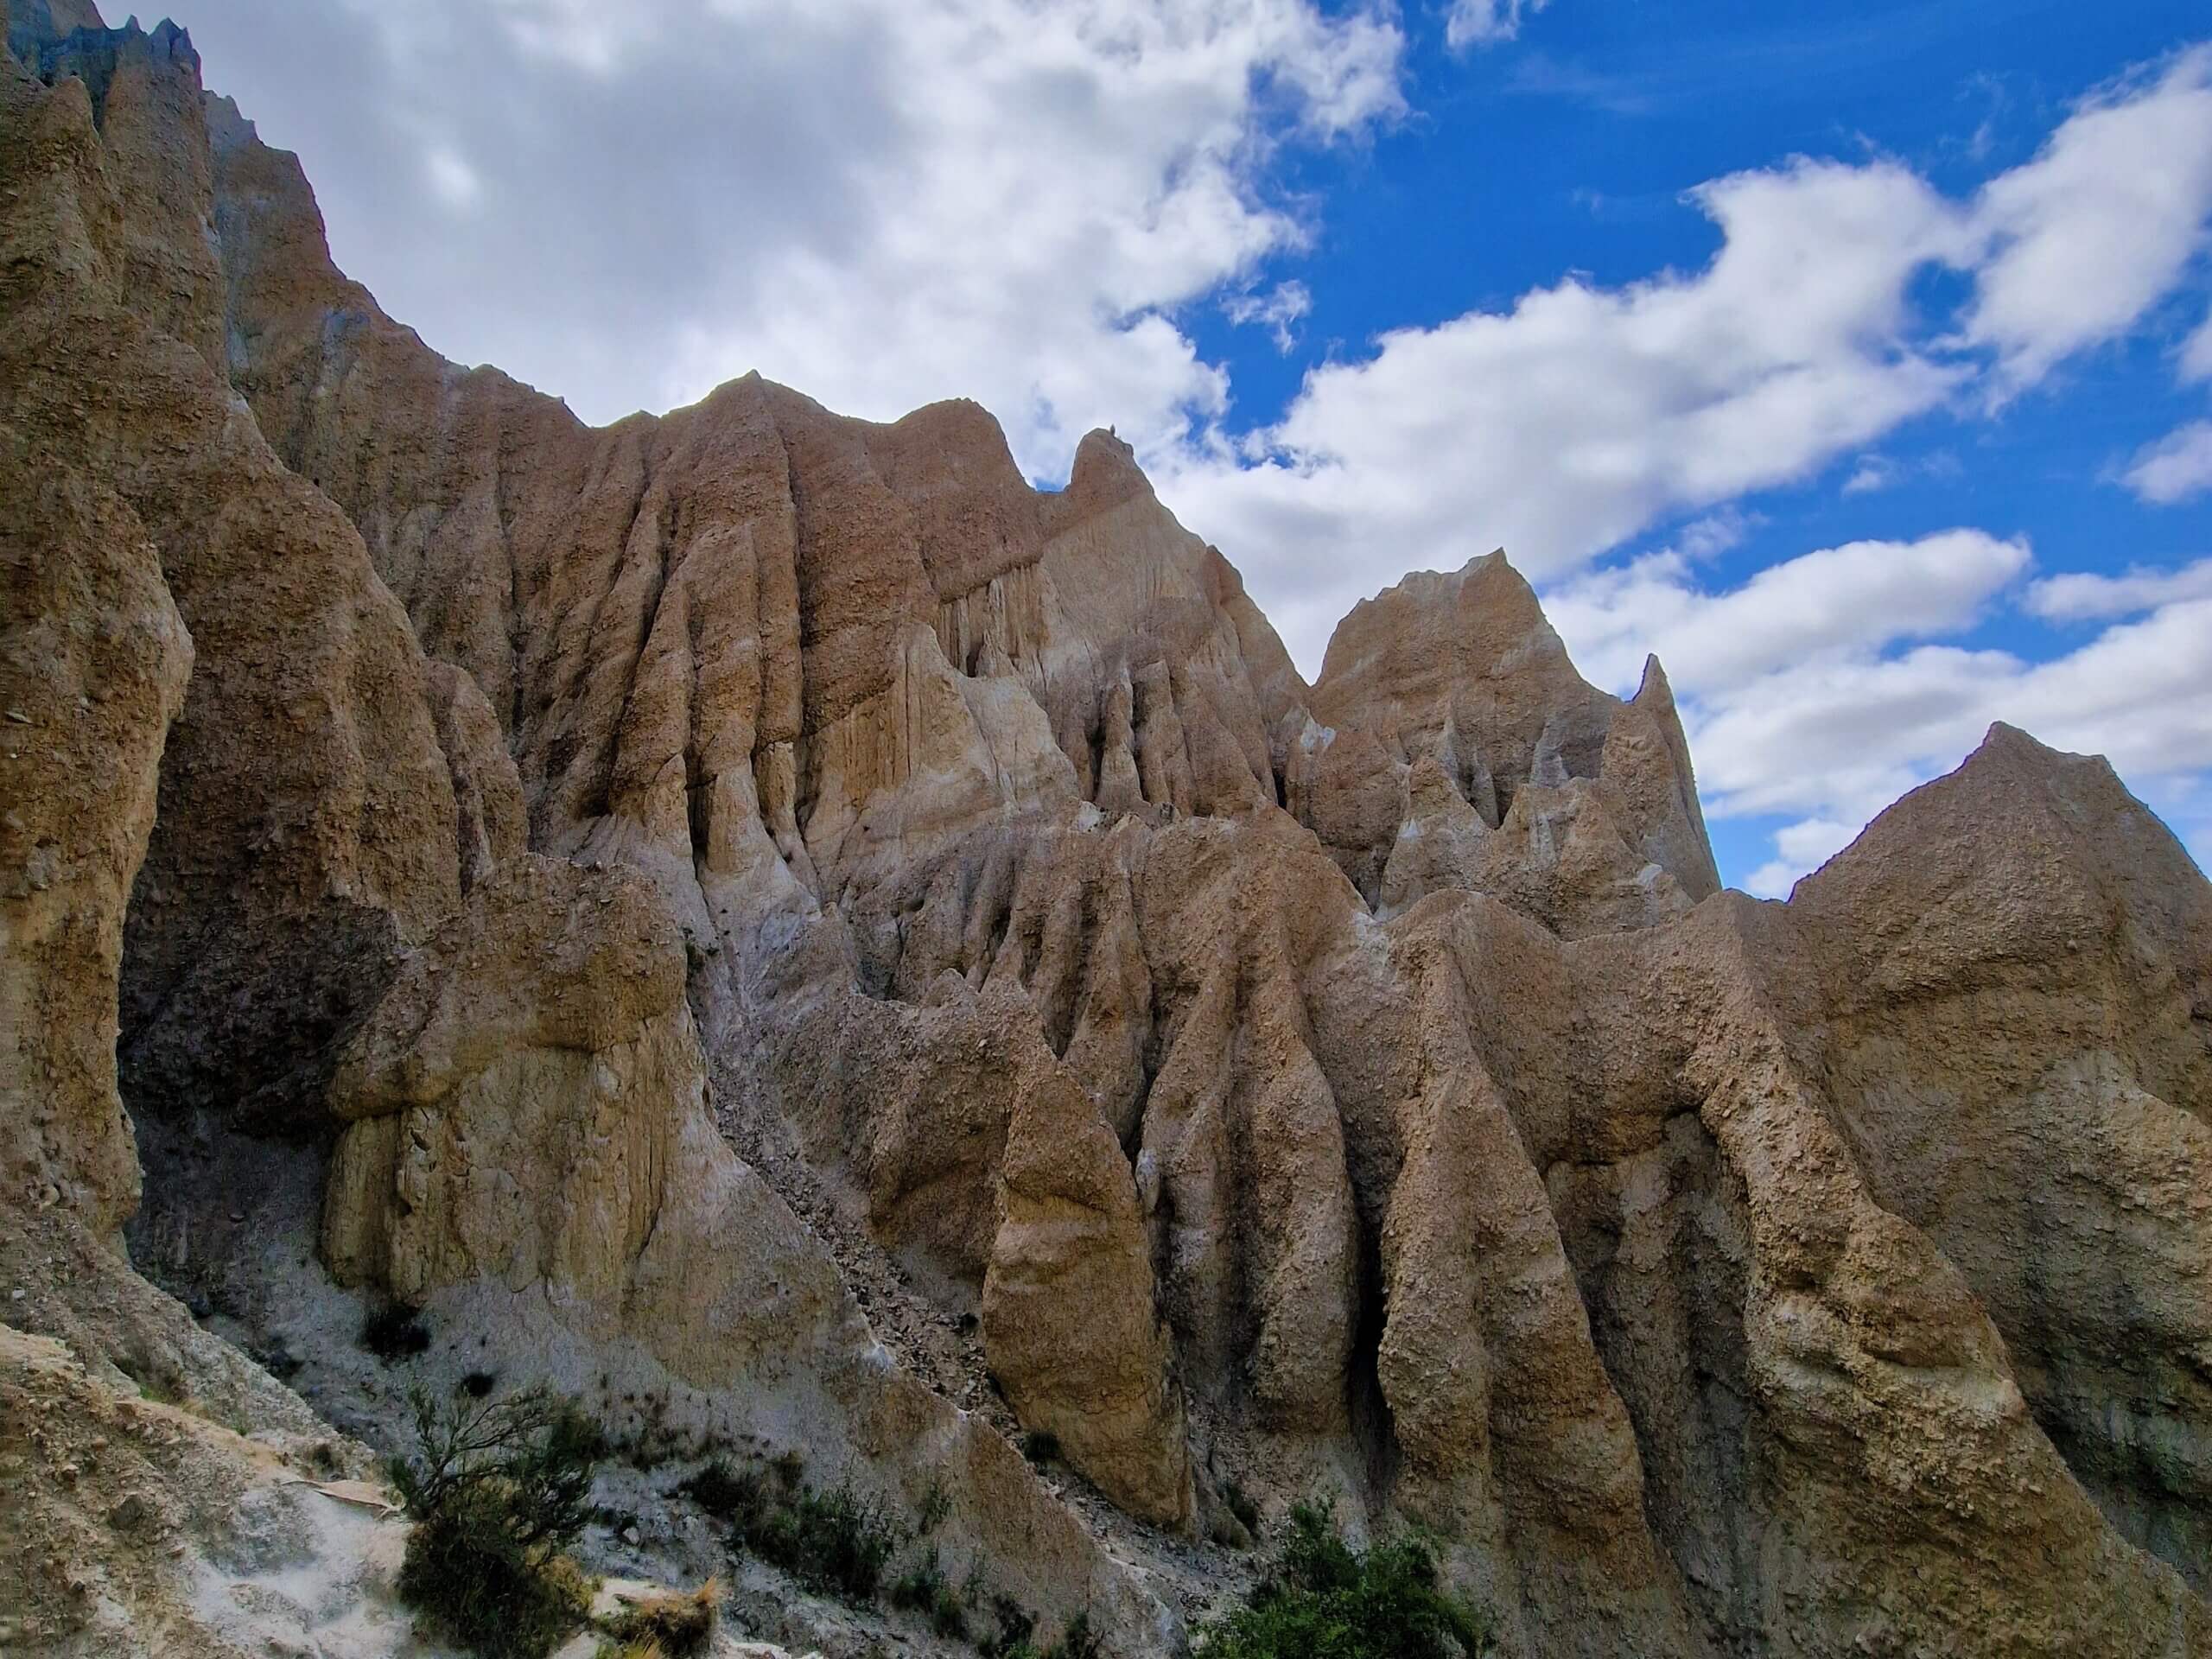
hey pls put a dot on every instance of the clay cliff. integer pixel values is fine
(771, 923)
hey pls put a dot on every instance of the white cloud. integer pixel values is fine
(881, 203)
(1846, 736)
(1276, 312)
(2197, 354)
(2082, 596)
(1799, 848)
(1872, 472)
(1572, 421)
(1838, 602)
(1485, 22)
(2175, 467)
(2085, 237)
(1582, 416)
(1824, 687)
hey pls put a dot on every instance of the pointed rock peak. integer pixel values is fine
(1653, 691)
(1105, 474)
(2008, 757)
(2006, 739)
(227, 126)
(1490, 584)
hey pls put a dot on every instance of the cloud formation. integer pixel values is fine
(1486, 22)
(883, 202)
(2081, 241)
(1583, 416)
(1824, 687)
(2175, 467)
(2082, 596)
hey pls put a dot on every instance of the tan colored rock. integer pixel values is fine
(528, 1134)
(1463, 672)
(1072, 1237)
(2018, 1023)
(308, 821)
(1360, 1090)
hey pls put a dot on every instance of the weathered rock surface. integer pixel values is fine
(1362, 1087)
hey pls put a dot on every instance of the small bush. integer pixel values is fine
(1323, 1599)
(836, 1543)
(394, 1331)
(728, 1495)
(498, 1490)
(673, 1624)
(1079, 1641)
(922, 1588)
(1016, 1624)
(1041, 1447)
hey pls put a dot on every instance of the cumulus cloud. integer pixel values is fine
(1824, 687)
(882, 202)
(2084, 239)
(2195, 362)
(2084, 596)
(1799, 847)
(1485, 22)
(1582, 416)
(1835, 602)
(1574, 421)
(2175, 467)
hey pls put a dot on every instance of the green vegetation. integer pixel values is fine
(922, 1588)
(1323, 1599)
(836, 1541)
(498, 1490)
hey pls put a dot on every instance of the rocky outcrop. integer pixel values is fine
(1482, 759)
(1361, 1089)
(527, 1129)
(1226, 1047)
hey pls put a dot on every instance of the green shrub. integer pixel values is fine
(727, 1495)
(1079, 1641)
(1041, 1447)
(936, 1503)
(922, 1588)
(836, 1543)
(1323, 1599)
(1016, 1624)
(498, 1490)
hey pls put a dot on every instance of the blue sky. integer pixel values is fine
(1856, 358)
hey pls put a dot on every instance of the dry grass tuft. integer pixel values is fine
(675, 1624)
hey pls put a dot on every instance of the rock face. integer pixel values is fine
(569, 856)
